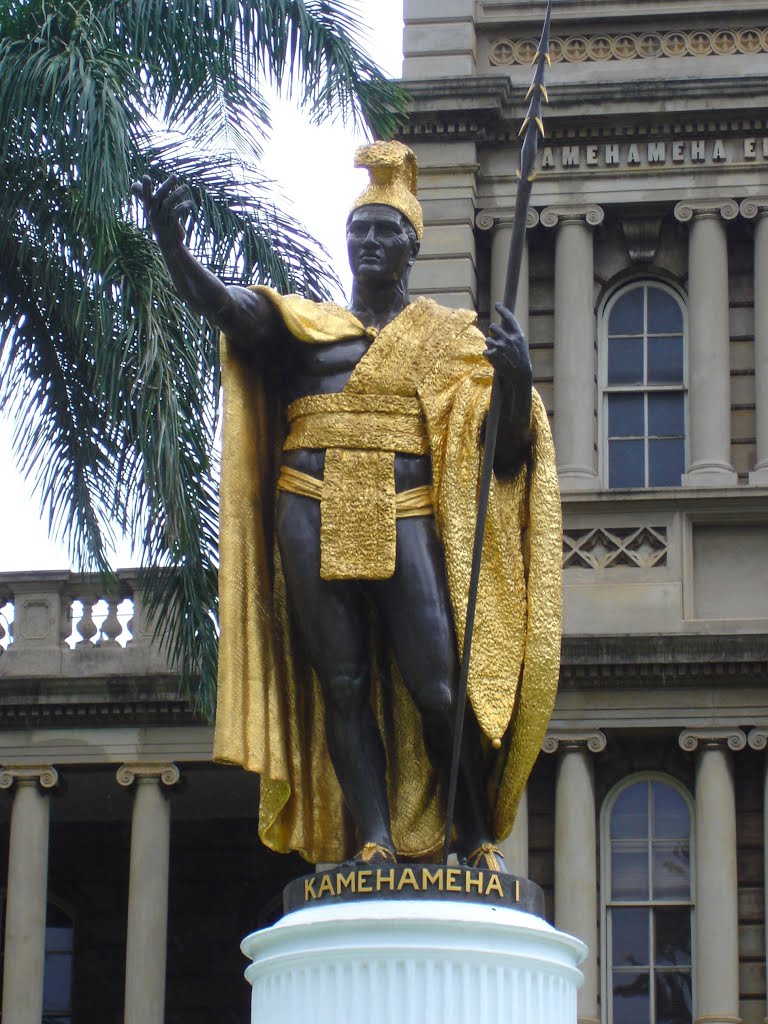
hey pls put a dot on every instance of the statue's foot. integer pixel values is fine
(487, 856)
(375, 853)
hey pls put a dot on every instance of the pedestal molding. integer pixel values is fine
(44, 774)
(412, 962)
(130, 772)
(690, 739)
(590, 214)
(594, 740)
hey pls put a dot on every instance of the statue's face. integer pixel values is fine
(379, 244)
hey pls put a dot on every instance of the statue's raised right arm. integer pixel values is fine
(246, 317)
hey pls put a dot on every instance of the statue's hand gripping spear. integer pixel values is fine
(532, 126)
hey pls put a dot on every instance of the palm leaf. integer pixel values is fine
(113, 382)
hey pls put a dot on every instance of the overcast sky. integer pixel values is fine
(313, 167)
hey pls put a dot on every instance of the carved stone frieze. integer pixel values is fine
(676, 43)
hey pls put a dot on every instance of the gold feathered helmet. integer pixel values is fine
(394, 176)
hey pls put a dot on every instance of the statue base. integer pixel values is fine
(419, 960)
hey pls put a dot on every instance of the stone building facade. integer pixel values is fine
(644, 298)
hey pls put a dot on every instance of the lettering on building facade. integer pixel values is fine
(655, 153)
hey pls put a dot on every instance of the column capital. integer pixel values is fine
(693, 209)
(734, 739)
(758, 738)
(753, 206)
(591, 214)
(44, 775)
(494, 217)
(593, 740)
(145, 771)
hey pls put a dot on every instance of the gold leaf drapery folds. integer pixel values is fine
(270, 716)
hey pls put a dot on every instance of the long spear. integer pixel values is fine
(531, 127)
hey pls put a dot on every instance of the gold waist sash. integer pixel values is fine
(358, 503)
(417, 501)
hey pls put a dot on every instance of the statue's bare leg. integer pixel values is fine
(332, 619)
(415, 606)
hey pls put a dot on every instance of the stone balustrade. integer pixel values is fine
(61, 623)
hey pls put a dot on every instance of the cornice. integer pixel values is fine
(490, 106)
(38, 703)
(636, 662)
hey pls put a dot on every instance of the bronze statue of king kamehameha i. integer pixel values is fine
(351, 458)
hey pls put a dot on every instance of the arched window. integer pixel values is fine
(647, 904)
(643, 379)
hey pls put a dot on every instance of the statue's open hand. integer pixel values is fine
(507, 350)
(167, 208)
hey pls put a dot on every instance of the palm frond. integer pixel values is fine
(68, 102)
(312, 50)
(62, 436)
(114, 383)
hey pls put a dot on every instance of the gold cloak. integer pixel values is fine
(270, 716)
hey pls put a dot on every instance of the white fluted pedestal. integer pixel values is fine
(412, 962)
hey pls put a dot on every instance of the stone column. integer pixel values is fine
(148, 891)
(501, 222)
(575, 355)
(758, 209)
(716, 952)
(709, 376)
(27, 898)
(576, 909)
(758, 740)
(515, 846)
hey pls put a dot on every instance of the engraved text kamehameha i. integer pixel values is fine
(352, 455)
